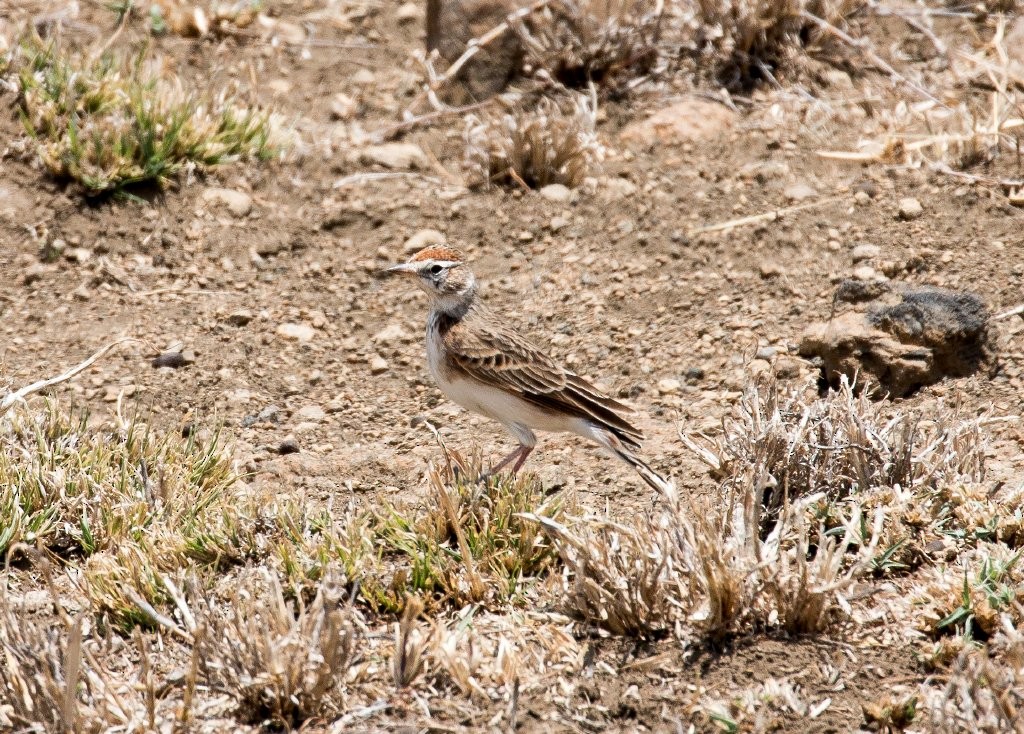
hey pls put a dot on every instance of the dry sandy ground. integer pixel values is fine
(613, 280)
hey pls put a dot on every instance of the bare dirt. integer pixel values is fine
(614, 281)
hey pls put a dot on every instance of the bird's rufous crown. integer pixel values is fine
(437, 252)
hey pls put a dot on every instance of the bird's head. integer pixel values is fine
(442, 273)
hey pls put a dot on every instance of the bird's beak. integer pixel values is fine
(403, 269)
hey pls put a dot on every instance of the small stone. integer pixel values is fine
(866, 186)
(799, 192)
(395, 156)
(270, 414)
(407, 13)
(423, 238)
(556, 192)
(78, 255)
(770, 270)
(861, 198)
(240, 317)
(33, 273)
(378, 365)
(343, 107)
(363, 78)
(81, 293)
(865, 251)
(788, 367)
(669, 386)
(313, 413)
(910, 208)
(238, 203)
(558, 223)
(766, 353)
(298, 332)
(694, 373)
(175, 359)
(865, 273)
(690, 120)
(619, 188)
(391, 334)
(289, 445)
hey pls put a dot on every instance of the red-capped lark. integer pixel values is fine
(487, 368)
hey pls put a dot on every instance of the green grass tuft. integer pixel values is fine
(112, 122)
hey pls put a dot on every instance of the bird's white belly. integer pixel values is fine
(498, 404)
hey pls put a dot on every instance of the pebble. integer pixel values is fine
(238, 203)
(694, 373)
(343, 107)
(910, 208)
(669, 386)
(693, 119)
(298, 332)
(407, 13)
(799, 192)
(175, 359)
(395, 156)
(391, 334)
(861, 198)
(770, 270)
(270, 414)
(424, 238)
(240, 317)
(289, 445)
(558, 223)
(865, 251)
(33, 273)
(556, 192)
(378, 365)
(865, 273)
(766, 353)
(311, 413)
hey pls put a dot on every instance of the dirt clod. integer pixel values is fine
(926, 335)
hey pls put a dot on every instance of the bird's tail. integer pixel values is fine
(657, 482)
(661, 485)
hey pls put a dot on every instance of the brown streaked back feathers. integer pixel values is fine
(500, 357)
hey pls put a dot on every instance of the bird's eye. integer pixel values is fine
(435, 269)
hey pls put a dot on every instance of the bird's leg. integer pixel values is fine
(520, 452)
(524, 451)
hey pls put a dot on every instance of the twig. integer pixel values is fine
(356, 178)
(18, 395)
(1015, 311)
(870, 55)
(388, 133)
(147, 609)
(478, 43)
(765, 217)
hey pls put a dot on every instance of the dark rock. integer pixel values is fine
(289, 445)
(903, 339)
(175, 359)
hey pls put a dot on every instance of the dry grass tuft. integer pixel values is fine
(532, 148)
(471, 545)
(49, 681)
(621, 577)
(283, 666)
(613, 44)
(710, 573)
(746, 41)
(141, 508)
(116, 121)
(984, 691)
(793, 446)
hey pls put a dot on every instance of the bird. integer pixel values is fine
(481, 363)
